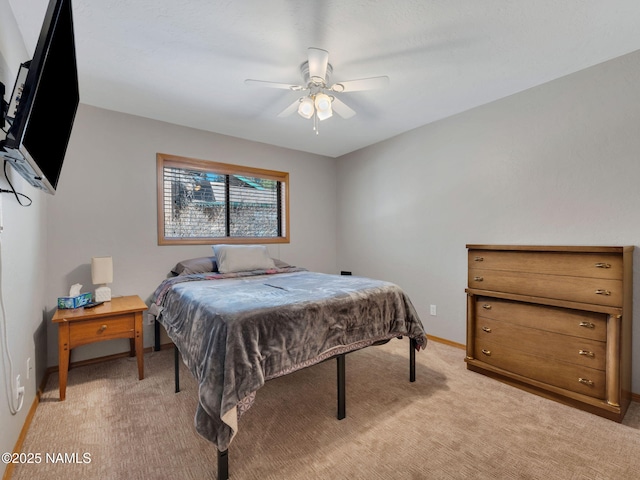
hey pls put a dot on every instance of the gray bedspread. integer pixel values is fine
(235, 332)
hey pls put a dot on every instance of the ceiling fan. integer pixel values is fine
(319, 101)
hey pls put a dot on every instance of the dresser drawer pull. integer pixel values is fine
(486, 352)
(586, 381)
(587, 325)
(602, 292)
(603, 265)
(478, 259)
(486, 306)
(103, 328)
(478, 279)
(486, 329)
(586, 353)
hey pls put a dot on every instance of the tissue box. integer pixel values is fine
(74, 302)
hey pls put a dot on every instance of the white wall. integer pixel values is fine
(23, 256)
(106, 205)
(558, 165)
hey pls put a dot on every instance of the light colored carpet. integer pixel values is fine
(449, 424)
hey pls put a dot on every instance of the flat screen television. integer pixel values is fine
(44, 102)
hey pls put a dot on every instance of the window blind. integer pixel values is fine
(208, 204)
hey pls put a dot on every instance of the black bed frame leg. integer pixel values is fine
(223, 465)
(176, 365)
(342, 410)
(412, 359)
(156, 335)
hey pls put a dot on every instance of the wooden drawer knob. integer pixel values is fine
(586, 353)
(478, 279)
(478, 259)
(486, 352)
(486, 306)
(488, 330)
(587, 325)
(603, 265)
(602, 292)
(103, 328)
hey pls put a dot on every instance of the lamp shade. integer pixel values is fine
(323, 106)
(101, 270)
(305, 109)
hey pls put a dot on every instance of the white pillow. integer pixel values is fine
(241, 258)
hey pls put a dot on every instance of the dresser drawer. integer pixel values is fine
(121, 326)
(593, 265)
(577, 323)
(574, 350)
(595, 291)
(584, 380)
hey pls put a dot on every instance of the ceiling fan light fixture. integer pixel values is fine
(306, 108)
(323, 102)
(324, 115)
(323, 106)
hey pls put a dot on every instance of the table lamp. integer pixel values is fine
(101, 274)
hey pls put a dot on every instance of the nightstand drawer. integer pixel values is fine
(119, 326)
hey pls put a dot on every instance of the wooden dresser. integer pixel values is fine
(555, 321)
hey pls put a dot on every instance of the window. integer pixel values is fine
(201, 202)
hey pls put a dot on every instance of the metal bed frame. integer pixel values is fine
(223, 457)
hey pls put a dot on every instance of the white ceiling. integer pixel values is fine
(185, 61)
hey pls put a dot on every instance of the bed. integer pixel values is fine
(235, 329)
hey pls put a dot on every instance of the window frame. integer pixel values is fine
(167, 160)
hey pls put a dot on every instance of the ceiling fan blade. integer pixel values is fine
(342, 109)
(284, 86)
(318, 61)
(290, 109)
(361, 84)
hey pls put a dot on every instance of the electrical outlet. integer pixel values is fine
(28, 368)
(19, 390)
(432, 310)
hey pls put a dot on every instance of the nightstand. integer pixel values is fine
(119, 318)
